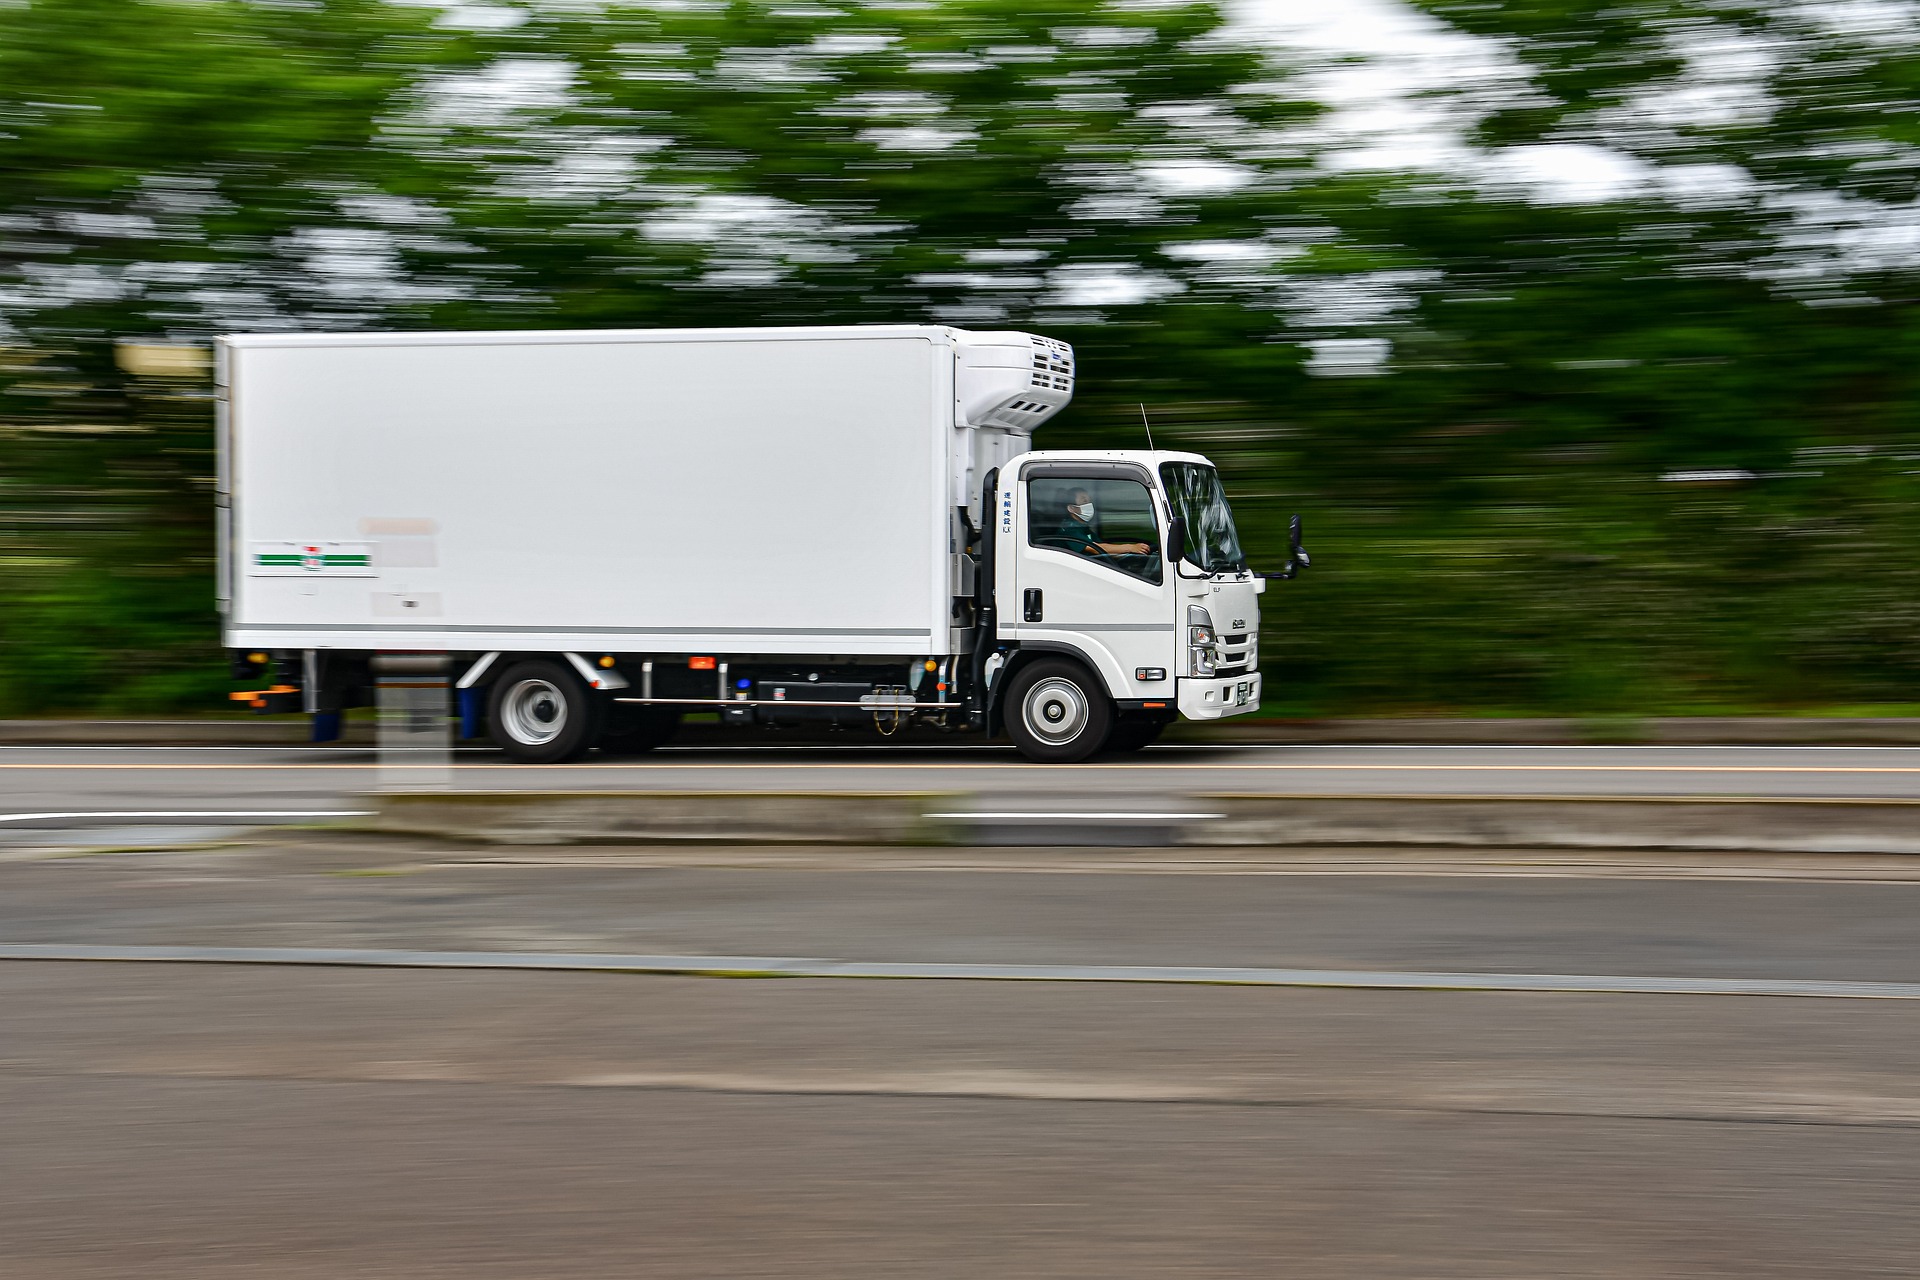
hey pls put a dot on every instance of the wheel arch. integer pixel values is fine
(1030, 652)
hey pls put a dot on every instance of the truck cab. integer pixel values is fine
(1123, 566)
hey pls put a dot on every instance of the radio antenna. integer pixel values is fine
(1148, 426)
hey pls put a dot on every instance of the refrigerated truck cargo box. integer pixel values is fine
(603, 530)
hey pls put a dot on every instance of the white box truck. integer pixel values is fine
(602, 531)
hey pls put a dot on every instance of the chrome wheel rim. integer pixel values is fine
(534, 712)
(1056, 711)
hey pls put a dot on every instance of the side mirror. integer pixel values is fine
(1297, 557)
(1176, 540)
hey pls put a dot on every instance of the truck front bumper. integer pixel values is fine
(1212, 699)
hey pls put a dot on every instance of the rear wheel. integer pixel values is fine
(540, 712)
(1057, 712)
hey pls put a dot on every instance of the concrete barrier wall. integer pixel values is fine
(923, 818)
(1659, 822)
(646, 817)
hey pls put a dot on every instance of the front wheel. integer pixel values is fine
(542, 713)
(1057, 712)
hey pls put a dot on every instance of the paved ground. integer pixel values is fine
(213, 1121)
(1009, 907)
(304, 1124)
(92, 780)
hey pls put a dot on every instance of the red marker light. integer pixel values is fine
(702, 664)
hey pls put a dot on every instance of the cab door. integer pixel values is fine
(1090, 572)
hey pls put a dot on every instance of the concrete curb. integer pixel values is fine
(670, 817)
(1699, 823)
(1709, 824)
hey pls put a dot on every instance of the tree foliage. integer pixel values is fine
(1642, 451)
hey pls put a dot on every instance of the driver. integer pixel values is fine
(1076, 531)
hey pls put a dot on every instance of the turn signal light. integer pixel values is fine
(607, 661)
(702, 664)
(248, 695)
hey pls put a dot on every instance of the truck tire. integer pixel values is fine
(1057, 712)
(630, 730)
(540, 712)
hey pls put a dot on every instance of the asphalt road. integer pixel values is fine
(62, 782)
(213, 1120)
(1011, 907)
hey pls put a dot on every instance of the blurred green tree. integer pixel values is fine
(168, 169)
(1474, 384)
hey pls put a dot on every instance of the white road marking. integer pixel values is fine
(1049, 815)
(1061, 770)
(186, 813)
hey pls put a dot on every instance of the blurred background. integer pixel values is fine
(1583, 334)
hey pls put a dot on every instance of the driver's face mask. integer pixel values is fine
(1082, 511)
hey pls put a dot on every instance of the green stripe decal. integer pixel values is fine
(284, 560)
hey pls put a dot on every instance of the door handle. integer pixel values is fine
(1030, 605)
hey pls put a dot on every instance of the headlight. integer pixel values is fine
(1200, 626)
(1203, 657)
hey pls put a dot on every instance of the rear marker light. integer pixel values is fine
(702, 664)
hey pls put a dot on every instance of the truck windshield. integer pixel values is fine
(1195, 494)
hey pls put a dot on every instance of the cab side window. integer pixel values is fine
(1107, 522)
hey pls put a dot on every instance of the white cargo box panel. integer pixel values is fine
(769, 491)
